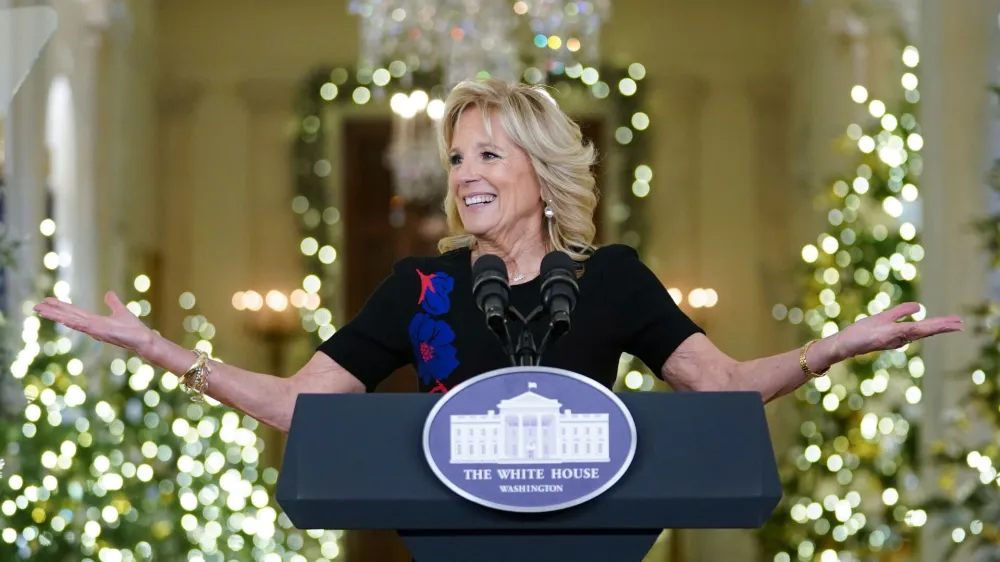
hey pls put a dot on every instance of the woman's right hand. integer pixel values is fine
(121, 328)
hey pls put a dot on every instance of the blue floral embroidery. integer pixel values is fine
(432, 347)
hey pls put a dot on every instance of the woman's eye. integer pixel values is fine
(489, 155)
(455, 159)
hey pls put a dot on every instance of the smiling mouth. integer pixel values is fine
(479, 200)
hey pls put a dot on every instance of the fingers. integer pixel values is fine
(114, 303)
(940, 325)
(63, 315)
(903, 310)
(931, 327)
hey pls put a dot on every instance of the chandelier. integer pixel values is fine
(418, 175)
(459, 40)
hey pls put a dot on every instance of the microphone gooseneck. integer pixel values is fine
(559, 289)
(492, 293)
(559, 294)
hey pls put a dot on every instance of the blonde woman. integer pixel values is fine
(520, 185)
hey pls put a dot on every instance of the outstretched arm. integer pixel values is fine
(697, 364)
(267, 398)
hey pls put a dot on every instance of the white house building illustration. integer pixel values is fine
(529, 428)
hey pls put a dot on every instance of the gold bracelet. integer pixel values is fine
(805, 367)
(194, 381)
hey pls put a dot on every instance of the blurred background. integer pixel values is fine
(244, 173)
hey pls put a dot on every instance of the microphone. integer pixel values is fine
(492, 293)
(559, 291)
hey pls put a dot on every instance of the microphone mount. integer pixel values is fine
(559, 292)
(526, 352)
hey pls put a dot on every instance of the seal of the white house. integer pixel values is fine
(529, 439)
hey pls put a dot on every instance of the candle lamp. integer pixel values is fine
(273, 319)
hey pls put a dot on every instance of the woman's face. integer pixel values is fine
(492, 179)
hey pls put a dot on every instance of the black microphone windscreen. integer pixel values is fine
(489, 263)
(557, 260)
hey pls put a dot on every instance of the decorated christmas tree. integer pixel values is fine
(115, 462)
(207, 460)
(57, 501)
(967, 499)
(849, 478)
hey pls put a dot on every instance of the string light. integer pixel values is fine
(855, 442)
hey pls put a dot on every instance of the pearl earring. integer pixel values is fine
(549, 213)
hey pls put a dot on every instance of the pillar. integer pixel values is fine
(958, 47)
(676, 107)
(178, 102)
(728, 225)
(778, 200)
(128, 212)
(83, 271)
(274, 237)
(829, 60)
(24, 204)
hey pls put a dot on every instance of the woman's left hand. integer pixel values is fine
(883, 331)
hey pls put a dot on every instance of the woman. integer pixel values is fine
(519, 185)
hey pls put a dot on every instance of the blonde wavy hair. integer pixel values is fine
(562, 159)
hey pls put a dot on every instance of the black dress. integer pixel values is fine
(424, 314)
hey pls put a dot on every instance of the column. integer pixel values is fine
(828, 62)
(178, 103)
(275, 236)
(557, 429)
(502, 439)
(676, 108)
(86, 291)
(218, 220)
(126, 145)
(884, 46)
(776, 196)
(727, 228)
(520, 436)
(24, 204)
(539, 443)
(959, 48)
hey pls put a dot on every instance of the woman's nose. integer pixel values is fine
(467, 172)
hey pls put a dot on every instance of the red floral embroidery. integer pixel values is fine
(426, 351)
(439, 388)
(425, 285)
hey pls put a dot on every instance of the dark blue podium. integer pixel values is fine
(703, 460)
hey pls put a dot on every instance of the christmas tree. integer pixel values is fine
(114, 462)
(218, 493)
(968, 499)
(57, 501)
(849, 480)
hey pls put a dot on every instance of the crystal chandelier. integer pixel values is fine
(565, 33)
(461, 39)
(413, 157)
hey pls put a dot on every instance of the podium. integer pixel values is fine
(702, 460)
